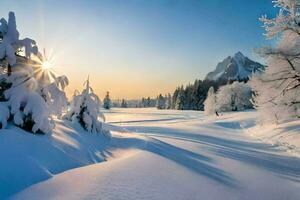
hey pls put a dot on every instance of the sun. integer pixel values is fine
(46, 65)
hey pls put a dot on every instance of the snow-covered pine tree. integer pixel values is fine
(55, 96)
(21, 90)
(148, 102)
(107, 101)
(174, 97)
(160, 102)
(85, 109)
(277, 90)
(168, 101)
(123, 103)
(210, 102)
(180, 100)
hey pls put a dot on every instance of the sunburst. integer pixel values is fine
(46, 65)
(44, 68)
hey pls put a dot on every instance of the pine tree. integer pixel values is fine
(27, 91)
(160, 102)
(180, 100)
(168, 101)
(148, 102)
(107, 101)
(85, 109)
(123, 103)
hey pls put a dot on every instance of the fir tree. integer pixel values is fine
(85, 109)
(160, 102)
(107, 101)
(123, 103)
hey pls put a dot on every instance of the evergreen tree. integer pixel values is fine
(123, 103)
(148, 102)
(143, 104)
(168, 101)
(179, 105)
(160, 102)
(107, 101)
(85, 109)
(27, 91)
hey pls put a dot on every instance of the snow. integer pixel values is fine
(285, 136)
(27, 158)
(240, 60)
(153, 154)
(32, 98)
(85, 109)
(236, 67)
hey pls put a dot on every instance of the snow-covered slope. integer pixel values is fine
(286, 136)
(26, 159)
(238, 67)
(179, 155)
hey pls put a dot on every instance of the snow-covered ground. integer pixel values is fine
(153, 154)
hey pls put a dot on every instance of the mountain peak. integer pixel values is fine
(238, 67)
(239, 55)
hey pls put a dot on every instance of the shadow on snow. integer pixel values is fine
(257, 154)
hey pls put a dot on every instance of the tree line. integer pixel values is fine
(191, 96)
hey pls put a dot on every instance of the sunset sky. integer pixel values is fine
(136, 48)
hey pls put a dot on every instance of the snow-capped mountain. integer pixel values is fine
(238, 67)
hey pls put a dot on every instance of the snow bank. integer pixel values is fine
(28, 158)
(285, 136)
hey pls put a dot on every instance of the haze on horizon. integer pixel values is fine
(139, 48)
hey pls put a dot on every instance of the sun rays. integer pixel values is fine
(44, 68)
(46, 65)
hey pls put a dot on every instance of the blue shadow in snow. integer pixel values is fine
(193, 161)
(257, 154)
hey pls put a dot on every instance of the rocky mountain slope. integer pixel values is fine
(237, 67)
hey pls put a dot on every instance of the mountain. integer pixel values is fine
(238, 67)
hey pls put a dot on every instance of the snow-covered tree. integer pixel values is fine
(234, 97)
(26, 105)
(107, 101)
(168, 101)
(180, 100)
(160, 102)
(55, 96)
(85, 109)
(27, 91)
(11, 43)
(123, 103)
(210, 102)
(277, 90)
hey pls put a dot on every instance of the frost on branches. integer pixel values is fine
(231, 97)
(210, 102)
(277, 90)
(234, 97)
(27, 92)
(85, 109)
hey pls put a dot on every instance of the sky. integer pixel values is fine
(139, 48)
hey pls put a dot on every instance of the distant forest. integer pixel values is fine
(192, 96)
(189, 97)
